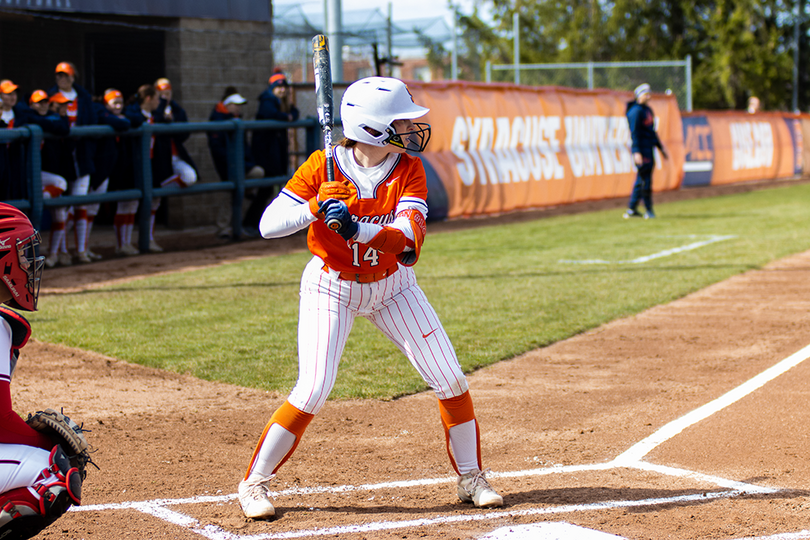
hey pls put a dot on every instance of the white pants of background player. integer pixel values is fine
(398, 307)
(185, 172)
(84, 215)
(53, 186)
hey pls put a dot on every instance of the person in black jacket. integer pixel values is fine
(105, 155)
(115, 165)
(77, 160)
(641, 119)
(13, 183)
(271, 147)
(185, 171)
(143, 105)
(230, 107)
(51, 116)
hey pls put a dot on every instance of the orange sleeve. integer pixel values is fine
(389, 240)
(309, 176)
(417, 179)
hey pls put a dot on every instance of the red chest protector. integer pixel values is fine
(20, 332)
(20, 327)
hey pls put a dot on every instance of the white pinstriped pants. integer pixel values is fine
(396, 305)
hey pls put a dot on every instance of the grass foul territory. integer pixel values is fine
(500, 291)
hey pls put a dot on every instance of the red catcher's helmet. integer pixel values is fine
(20, 262)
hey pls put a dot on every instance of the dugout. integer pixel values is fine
(201, 46)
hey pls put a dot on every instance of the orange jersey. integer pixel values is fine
(404, 183)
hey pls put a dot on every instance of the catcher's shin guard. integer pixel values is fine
(19, 515)
(25, 512)
(66, 477)
(456, 411)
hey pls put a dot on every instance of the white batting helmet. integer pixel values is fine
(374, 103)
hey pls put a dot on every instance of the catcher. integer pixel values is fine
(43, 459)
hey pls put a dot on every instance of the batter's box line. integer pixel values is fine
(214, 532)
(710, 239)
(159, 508)
(632, 458)
(148, 506)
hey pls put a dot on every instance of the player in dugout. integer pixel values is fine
(77, 162)
(365, 268)
(51, 115)
(13, 183)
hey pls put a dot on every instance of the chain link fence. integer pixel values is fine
(667, 76)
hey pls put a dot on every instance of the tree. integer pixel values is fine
(738, 47)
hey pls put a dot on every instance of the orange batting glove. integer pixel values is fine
(334, 190)
(329, 190)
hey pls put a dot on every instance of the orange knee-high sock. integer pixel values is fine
(290, 418)
(456, 411)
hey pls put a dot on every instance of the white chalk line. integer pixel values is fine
(782, 536)
(559, 469)
(631, 459)
(712, 238)
(644, 447)
(213, 532)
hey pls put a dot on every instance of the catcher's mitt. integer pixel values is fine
(66, 433)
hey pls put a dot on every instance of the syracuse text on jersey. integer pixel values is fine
(751, 145)
(505, 150)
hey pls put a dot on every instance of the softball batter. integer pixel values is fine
(365, 268)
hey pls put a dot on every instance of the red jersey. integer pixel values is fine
(73, 112)
(406, 180)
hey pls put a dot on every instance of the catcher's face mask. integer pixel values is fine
(20, 263)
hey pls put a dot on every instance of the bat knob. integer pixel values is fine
(333, 224)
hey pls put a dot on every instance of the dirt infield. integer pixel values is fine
(172, 448)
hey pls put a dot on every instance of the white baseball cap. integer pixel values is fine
(234, 98)
(641, 89)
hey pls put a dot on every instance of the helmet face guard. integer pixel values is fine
(414, 141)
(20, 263)
(32, 263)
(24, 281)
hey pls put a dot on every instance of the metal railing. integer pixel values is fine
(144, 191)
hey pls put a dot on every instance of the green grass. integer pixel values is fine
(499, 291)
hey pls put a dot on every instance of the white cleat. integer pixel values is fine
(255, 498)
(64, 259)
(127, 250)
(473, 487)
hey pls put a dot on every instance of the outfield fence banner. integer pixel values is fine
(725, 147)
(502, 147)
